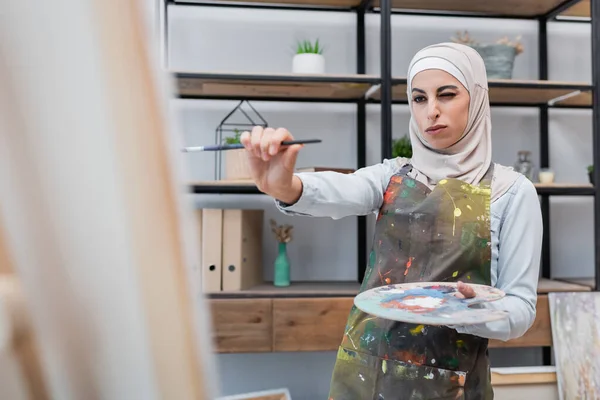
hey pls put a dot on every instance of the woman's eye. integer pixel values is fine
(418, 99)
(448, 95)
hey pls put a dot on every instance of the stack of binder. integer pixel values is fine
(231, 249)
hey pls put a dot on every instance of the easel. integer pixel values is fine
(93, 218)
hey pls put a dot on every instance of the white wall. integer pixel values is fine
(242, 40)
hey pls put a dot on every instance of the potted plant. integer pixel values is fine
(590, 170)
(402, 147)
(308, 58)
(498, 57)
(236, 163)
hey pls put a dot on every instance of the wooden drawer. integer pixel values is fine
(242, 325)
(315, 324)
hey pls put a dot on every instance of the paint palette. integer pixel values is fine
(430, 303)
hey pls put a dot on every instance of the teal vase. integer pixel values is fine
(282, 267)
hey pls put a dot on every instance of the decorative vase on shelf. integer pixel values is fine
(282, 267)
(524, 164)
(546, 176)
(498, 57)
(308, 63)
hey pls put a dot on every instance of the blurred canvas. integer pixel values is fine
(575, 318)
(275, 394)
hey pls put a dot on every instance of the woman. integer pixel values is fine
(447, 214)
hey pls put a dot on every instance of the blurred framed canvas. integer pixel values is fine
(275, 394)
(575, 318)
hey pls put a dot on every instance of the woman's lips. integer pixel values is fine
(434, 130)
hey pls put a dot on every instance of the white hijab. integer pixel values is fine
(471, 156)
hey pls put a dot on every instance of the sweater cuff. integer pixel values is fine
(304, 203)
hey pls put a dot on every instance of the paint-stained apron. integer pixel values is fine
(420, 235)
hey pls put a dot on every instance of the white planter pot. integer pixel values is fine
(236, 165)
(308, 64)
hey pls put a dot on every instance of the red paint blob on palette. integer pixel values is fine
(416, 304)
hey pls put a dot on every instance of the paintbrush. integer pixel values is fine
(220, 147)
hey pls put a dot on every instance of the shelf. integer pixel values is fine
(224, 187)
(296, 289)
(491, 8)
(521, 92)
(589, 282)
(303, 4)
(500, 8)
(581, 9)
(583, 99)
(282, 87)
(350, 88)
(546, 286)
(248, 187)
(523, 375)
(350, 289)
(563, 189)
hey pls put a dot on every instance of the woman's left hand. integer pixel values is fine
(465, 291)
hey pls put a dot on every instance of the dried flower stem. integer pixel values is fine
(283, 233)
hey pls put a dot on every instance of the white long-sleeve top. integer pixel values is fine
(516, 233)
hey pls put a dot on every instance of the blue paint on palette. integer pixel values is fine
(429, 291)
(429, 299)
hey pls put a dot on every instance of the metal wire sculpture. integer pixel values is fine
(226, 126)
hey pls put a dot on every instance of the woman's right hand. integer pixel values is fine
(272, 165)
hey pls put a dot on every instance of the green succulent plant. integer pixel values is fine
(402, 147)
(306, 47)
(235, 139)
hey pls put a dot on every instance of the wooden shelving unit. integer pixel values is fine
(315, 289)
(224, 187)
(295, 87)
(521, 92)
(309, 4)
(324, 289)
(524, 378)
(311, 316)
(509, 8)
(546, 286)
(588, 282)
(564, 189)
(329, 3)
(246, 187)
(580, 9)
(291, 87)
(512, 8)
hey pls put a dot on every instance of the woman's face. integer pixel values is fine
(440, 106)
